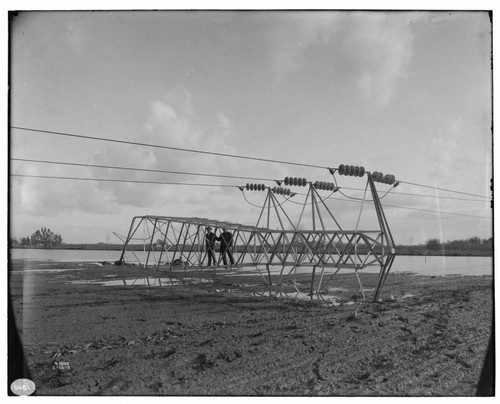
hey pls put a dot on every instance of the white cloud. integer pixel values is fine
(224, 123)
(384, 50)
(294, 34)
(376, 46)
(173, 121)
(445, 151)
(46, 197)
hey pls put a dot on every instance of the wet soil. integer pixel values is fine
(229, 335)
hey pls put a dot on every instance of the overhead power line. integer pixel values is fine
(142, 169)
(423, 195)
(115, 180)
(443, 189)
(187, 150)
(216, 176)
(358, 200)
(168, 147)
(215, 185)
(434, 211)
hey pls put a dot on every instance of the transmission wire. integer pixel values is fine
(212, 185)
(216, 154)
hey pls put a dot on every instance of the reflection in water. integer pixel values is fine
(240, 289)
(148, 281)
(25, 271)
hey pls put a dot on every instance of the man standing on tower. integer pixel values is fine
(226, 242)
(210, 239)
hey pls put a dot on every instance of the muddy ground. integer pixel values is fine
(218, 335)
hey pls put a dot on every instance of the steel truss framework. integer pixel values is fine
(277, 255)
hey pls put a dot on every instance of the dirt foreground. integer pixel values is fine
(428, 337)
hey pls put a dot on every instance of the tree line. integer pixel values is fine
(470, 246)
(41, 237)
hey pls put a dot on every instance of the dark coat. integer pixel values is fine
(226, 240)
(211, 238)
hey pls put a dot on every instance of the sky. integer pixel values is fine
(407, 93)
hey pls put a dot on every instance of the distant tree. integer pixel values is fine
(45, 237)
(488, 243)
(13, 242)
(25, 241)
(433, 244)
(475, 241)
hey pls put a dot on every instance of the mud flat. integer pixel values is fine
(106, 330)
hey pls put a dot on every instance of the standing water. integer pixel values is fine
(430, 265)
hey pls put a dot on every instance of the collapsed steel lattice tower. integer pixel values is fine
(278, 254)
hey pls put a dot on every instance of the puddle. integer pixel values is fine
(25, 271)
(130, 282)
(307, 296)
(143, 281)
(198, 280)
(338, 290)
(327, 299)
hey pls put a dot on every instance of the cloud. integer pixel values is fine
(172, 121)
(384, 50)
(372, 50)
(291, 38)
(224, 123)
(445, 152)
(50, 197)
